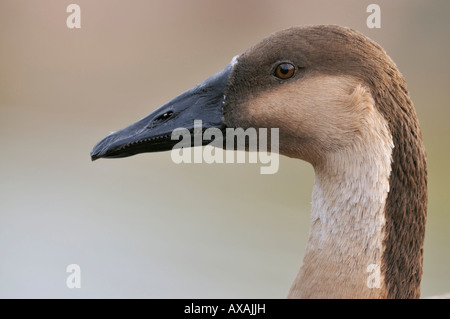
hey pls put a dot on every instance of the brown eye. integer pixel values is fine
(284, 71)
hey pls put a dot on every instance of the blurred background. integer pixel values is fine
(144, 227)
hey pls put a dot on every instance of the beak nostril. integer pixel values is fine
(163, 117)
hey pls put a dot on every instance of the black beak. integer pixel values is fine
(153, 132)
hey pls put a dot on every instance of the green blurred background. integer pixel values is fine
(144, 226)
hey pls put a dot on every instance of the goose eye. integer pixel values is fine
(284, 71)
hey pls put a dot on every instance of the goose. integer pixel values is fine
(341, 104)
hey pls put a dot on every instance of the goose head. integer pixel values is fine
(341, 104)
(291, 80)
